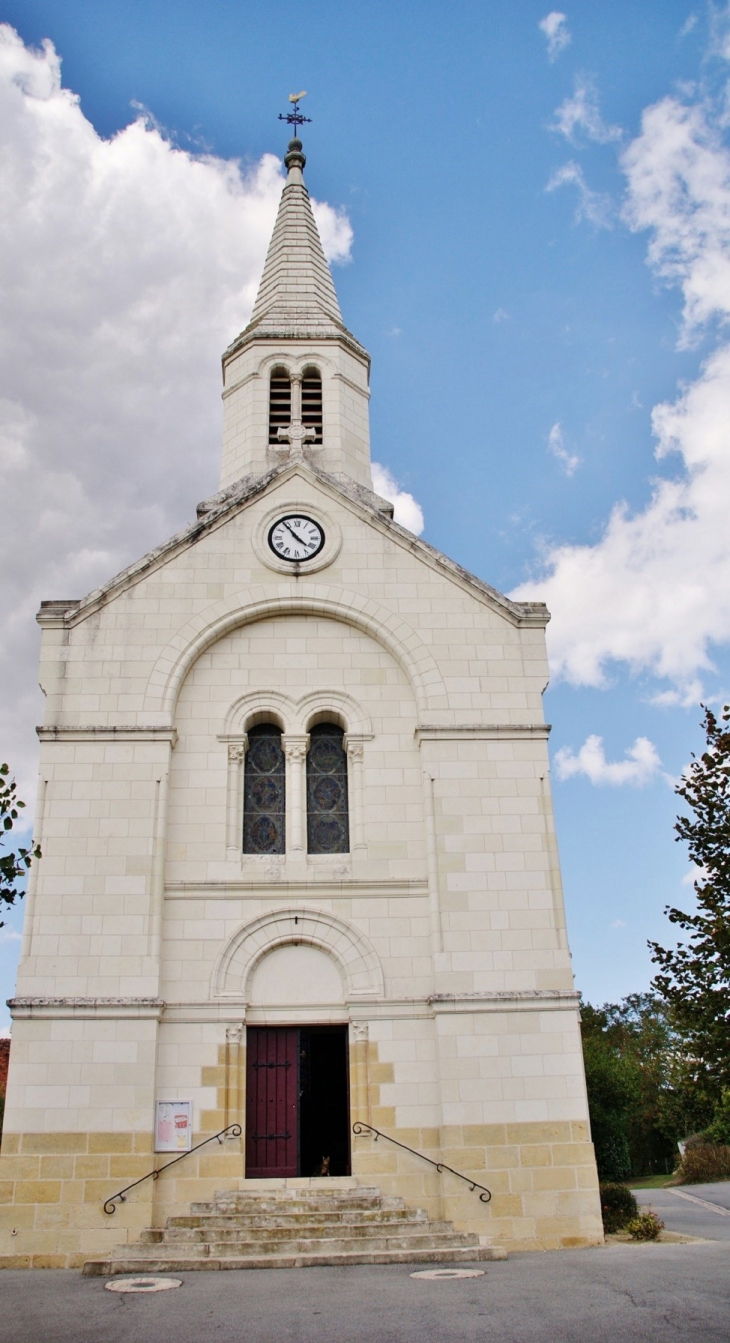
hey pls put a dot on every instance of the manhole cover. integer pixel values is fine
(449, 1273)
(142, 1284)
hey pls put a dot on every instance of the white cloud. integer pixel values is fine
(654, 591)
(126, 266)
(9, 935)
(555, 28)
(556, 444)
(406, 510)
(580, 114)
(618, 923)
(639, 767)
(501, 315)
(592, 205)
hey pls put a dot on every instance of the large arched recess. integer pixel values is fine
(212, 624)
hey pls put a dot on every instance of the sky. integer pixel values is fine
(527, 212)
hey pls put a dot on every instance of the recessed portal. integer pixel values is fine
(297, 1103)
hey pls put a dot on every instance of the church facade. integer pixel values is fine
(299, 869)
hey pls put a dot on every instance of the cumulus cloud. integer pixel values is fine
(579, 115)
(556, 443)
(639, 766)
(592, 205)
(126, 267)
(654, 591)
(555, 29)
(406, 510)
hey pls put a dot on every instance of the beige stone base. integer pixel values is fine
(53, 1186)
(542, 1178)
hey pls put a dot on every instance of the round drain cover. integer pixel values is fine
(142, 1284)
(432, 1273)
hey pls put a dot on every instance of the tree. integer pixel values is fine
(694, 977)
(612, 1092)
(13, 866)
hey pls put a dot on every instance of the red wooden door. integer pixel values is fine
(272, 1101)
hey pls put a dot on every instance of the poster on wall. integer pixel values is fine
(174, 1126)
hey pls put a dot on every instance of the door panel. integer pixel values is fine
(272, 1101)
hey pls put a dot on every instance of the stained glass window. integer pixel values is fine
(264, 792)
(327, 818)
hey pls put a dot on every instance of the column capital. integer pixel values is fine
(237, 750)
(295, 745)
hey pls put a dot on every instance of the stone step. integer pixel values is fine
(352, 1217)
(259, 1235)
(154, 1264)
(250, 1203)
(295, 1245)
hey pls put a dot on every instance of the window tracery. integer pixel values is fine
(264, 792)
(327, 800)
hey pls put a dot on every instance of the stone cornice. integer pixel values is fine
(85, 1008)
(482, 731)
(107, 732)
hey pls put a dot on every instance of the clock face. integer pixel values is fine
(296, 538)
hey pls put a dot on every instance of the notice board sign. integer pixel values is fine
(174, 1126)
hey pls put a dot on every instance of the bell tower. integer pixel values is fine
(295, 381)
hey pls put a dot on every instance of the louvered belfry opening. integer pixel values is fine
(280, 403)
(312, 402)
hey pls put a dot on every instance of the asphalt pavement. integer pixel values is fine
(692, 1209)
(615, 1294)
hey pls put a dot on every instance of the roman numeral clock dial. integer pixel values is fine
(296, 538)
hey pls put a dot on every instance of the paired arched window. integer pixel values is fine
(264, 791)
(279, 403)
(327, 808)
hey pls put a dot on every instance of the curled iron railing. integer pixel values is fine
(109, 1206)
(485, 1195)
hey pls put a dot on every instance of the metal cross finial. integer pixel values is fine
(294, 117)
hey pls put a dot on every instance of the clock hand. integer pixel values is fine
(301, 539)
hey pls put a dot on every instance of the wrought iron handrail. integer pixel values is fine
(440, 1166)
(235, 1132)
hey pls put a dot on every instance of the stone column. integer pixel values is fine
(295, 749)
(234, 796)
(355, 748)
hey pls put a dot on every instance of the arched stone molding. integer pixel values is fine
(219, 619)
(295, 716)
(257, 707)
(294, 363)
(351, 950)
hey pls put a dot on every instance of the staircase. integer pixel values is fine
(324, 1222)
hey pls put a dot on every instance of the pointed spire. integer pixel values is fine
(296, 290)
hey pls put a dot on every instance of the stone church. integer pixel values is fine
(299, 883)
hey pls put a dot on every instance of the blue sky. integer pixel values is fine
(539, 256)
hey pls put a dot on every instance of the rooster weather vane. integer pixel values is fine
(294, 117)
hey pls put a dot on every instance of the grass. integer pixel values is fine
(651, 1182)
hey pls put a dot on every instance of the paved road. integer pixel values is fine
(617, 1294)
(691, 1215)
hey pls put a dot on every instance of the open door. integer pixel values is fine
(297, 1101)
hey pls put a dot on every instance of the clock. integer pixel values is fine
(295, 538)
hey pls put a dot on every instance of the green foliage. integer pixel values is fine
(647, 1226)
(719, 1130)
(627, 1049)
(694, 977)
(13, 866)
(704, 1162)
(618, 1206)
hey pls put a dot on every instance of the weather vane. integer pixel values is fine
(295, 118)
